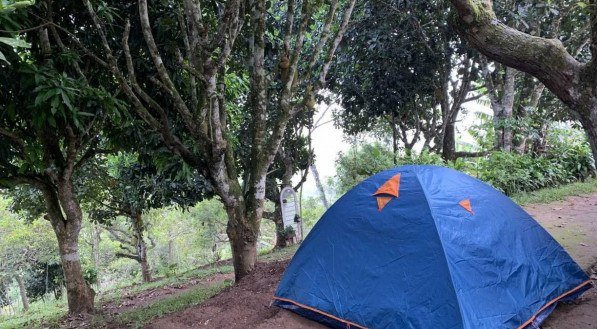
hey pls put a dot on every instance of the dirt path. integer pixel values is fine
(572, 222)
(128, 300)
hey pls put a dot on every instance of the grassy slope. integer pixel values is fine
(556, 193)
(48, 314)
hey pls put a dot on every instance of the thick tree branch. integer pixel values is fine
(179, 103)
(546, 59)
(130, 256)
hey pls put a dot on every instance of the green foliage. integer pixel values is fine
(40, 315)
(23, 244)
(311, 211)
(568, 159)
(392, 63)
(512, 172)
(423, 158)
(368, 159)
(572, 150)
(288, 232)
(90, 275)
(44, 278)
(552, 194)
(359, 163)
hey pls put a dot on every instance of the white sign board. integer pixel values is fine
(289, 206)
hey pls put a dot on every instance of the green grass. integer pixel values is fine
(116, 294)
(138, 317)
(547, 195)
(278, 254)
(40, 315)
(49, 314)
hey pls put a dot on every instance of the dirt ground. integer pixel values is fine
(136, 300)
(572, 222)
(245, 305)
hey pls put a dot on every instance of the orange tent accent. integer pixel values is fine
(466, 204)
(391, 187)
(382, 201)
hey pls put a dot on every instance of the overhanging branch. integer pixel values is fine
(546, 59)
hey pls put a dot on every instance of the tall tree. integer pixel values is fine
(129, 189)
(174, 75)
(572, 80)
(52, 117)
(404, 68)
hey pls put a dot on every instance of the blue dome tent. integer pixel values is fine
(428, 247)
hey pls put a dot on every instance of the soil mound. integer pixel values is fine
(244, 305)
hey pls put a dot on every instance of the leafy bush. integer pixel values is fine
(359, 163)
(90, 275)
(570, 148)
(288, 232)
(511, 172)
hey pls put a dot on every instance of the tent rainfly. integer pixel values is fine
(428, 247)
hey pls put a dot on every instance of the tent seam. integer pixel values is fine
(441, 242)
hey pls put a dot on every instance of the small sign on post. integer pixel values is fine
(290, 212)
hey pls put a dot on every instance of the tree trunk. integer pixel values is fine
(507, 109)
(273, 195)
(279, 222)
(394, 139)
(141, 247)
(449, 142)
(145, 270)
(23, 292)
(66, 217)
(95, 251)
(588, 120)
(242, 232)
(170, 251)
(319, 185)
(80, 296)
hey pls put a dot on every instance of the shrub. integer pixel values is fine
(511, 172)
(573, 152)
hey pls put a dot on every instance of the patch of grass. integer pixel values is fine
(552, 194)
(43, 315)
(137, 318)
(279, 254)
(199, 273)
(40, 315)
